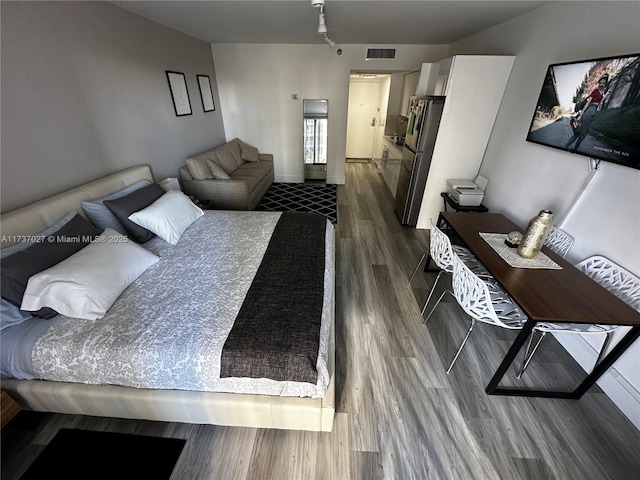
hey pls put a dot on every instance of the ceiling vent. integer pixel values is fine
(380, 53)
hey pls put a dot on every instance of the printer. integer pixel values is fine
(467, 193)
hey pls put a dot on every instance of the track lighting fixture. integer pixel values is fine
(322, 25)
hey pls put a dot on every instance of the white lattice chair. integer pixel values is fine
(483, 300)
(441, 252)
(559, 241)
(618, 280)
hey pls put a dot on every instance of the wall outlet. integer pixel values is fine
(295, 96)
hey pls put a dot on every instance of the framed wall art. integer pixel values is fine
(179, 93)
(205, 93)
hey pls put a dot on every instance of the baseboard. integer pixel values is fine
(613, 384)
(289, 179)
(338, 180)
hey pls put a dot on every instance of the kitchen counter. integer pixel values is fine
(390, 169)
(395, 150)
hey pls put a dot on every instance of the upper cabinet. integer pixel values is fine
(394, 105)
(428, 78)
(434, 78)
(408, 89)
(441, 80)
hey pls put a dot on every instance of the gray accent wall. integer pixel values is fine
(84, 94)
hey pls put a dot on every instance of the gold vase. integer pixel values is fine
(536, 233)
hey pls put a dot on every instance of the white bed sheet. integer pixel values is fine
(179, 313)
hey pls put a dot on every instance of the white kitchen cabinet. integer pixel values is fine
(394, 105)
(390, 168)
(474, 87)
(408, 89)
(428, 79)
(442, 76)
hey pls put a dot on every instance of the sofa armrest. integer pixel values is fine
(225, 194)
(266, 156)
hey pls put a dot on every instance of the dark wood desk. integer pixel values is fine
(566, 295)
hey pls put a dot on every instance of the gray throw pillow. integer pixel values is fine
(18, 268)
(226, 159)
(101, 216)
(249, 153)
(217, 171)
(10, 314)
(30, 240)
(124, 206)
(234, 148)
(197, 166)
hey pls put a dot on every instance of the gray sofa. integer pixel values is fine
(234, 176)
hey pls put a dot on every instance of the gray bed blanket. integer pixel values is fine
(277, 331)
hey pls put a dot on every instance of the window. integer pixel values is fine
(315, 118)
(315, 140)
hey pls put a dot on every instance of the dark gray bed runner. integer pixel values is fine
(277, 332)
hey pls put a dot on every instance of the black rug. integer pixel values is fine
(84, 454)
(301, 197)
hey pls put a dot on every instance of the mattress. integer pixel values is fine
(167, 330)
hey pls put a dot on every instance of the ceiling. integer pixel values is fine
(421, 22)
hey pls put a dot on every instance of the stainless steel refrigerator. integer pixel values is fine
(422, 129)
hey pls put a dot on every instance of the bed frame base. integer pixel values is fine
(256, 411)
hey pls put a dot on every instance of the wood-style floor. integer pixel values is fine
(399, 415)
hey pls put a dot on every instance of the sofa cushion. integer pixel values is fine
(225, 159)
(217, 171)
(198, 168)
(234, 148)
(252, 182)
(255, 169)
(248, 152)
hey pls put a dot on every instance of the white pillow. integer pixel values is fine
(87, 283)
(169, 216)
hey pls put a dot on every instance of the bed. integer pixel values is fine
(165, 327)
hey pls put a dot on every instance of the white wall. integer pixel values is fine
(256, 83)
(84, 94)
(526, 177)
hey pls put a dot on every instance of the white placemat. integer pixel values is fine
(510, 255)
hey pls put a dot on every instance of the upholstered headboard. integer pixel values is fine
(44, 213)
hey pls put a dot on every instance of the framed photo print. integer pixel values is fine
(179, 93)
(205, 93)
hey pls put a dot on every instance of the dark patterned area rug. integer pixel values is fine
(84, 454)
(301, 197)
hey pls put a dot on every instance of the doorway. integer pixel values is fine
(363, 118)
